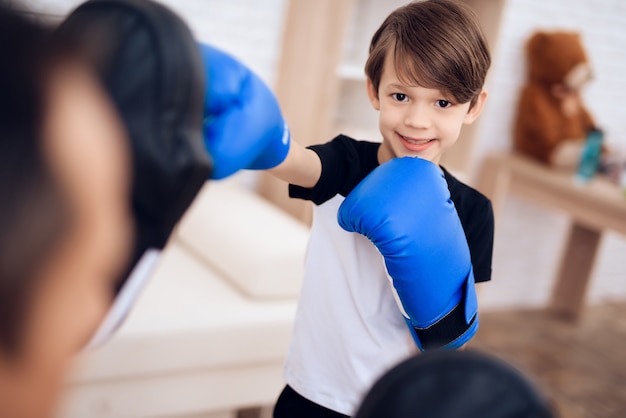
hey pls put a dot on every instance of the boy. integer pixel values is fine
(425, 76)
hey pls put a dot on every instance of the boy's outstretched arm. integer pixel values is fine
(302, 166)
(404, 208)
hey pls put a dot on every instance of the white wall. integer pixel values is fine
(249, 29)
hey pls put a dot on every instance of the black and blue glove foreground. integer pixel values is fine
(178, 100)
(455, 384)
(404, 208)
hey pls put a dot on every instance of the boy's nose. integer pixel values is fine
(417, 117)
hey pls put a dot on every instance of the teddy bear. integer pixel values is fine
(552, 123)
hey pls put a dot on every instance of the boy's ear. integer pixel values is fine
(373, 94)
(475, 110)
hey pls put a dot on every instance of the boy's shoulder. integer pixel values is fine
(347, 143)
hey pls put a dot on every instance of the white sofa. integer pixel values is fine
(209, 334)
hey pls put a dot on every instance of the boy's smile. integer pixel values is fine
(417, 121)
(416, 144)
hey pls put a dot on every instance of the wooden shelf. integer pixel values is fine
(593, 208)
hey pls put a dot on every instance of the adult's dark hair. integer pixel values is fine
(436, 44)
(454, 384)
(33, 214)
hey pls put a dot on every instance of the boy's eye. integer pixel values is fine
(400, 97)
(443, 103)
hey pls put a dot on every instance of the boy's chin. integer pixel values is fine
(424, 155)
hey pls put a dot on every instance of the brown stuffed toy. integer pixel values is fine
(552, 123)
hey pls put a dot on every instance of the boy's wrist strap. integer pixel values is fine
(446, 330)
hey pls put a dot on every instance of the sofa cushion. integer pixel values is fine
(251, 242)
(188, 318)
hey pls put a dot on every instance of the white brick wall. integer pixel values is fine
(249, 29)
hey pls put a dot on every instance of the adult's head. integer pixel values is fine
(64, 213)
(454, 384)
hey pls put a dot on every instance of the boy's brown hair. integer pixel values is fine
(435, 44)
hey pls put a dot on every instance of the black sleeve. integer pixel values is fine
(479, 235)
(476, 215)
(345, 162)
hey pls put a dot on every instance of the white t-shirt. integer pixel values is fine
(348, 328)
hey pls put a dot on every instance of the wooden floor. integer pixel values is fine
(581, 366)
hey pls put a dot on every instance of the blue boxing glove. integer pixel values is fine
(404, 208)
(243, 125)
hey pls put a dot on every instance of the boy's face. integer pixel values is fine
(417, 121)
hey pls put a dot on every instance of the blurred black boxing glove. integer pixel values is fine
(149, 63)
